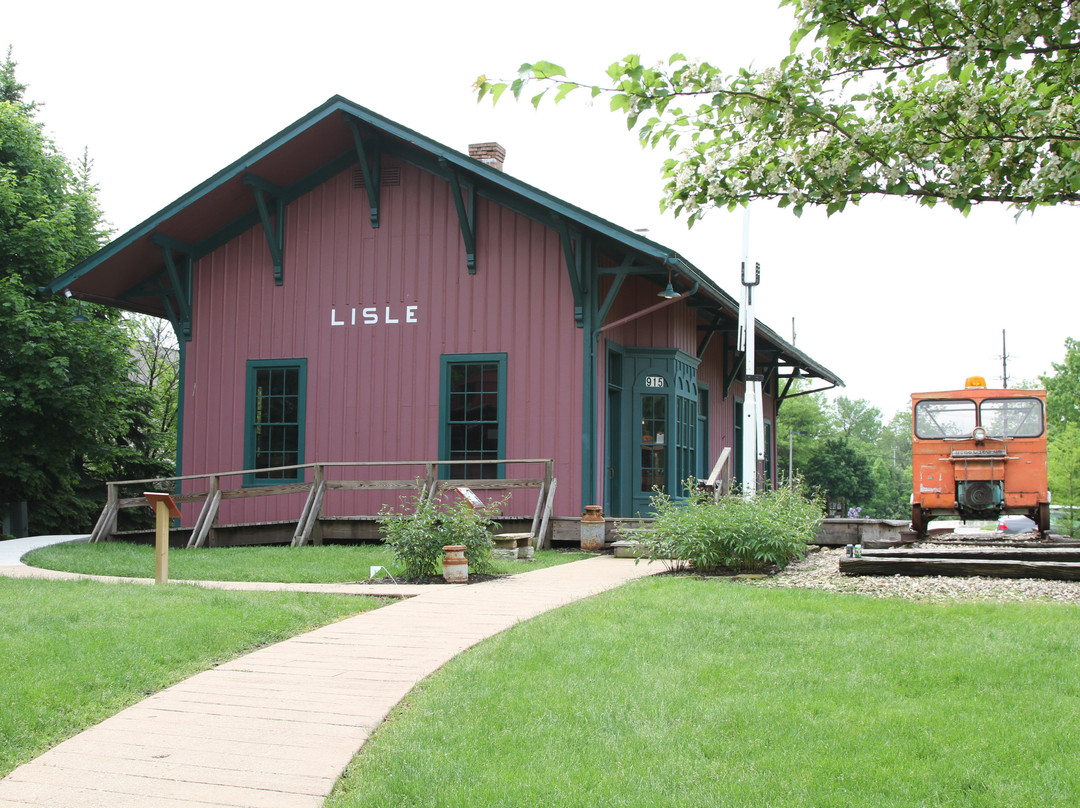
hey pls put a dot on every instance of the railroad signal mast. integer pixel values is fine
(753, 434)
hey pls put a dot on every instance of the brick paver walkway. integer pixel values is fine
(276, 728)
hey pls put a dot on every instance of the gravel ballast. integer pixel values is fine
(820, 570)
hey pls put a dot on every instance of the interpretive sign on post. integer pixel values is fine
(164, 509)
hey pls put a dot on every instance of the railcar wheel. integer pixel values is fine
(1043, 518)
(918, 521)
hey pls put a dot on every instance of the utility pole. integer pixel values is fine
(1004, 362)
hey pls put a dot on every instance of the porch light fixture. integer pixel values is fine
(669, 292)
(79, 316)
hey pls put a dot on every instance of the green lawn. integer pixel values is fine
(331, 563)
(685, 692)
(74, 653)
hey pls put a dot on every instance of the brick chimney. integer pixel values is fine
(491, 154)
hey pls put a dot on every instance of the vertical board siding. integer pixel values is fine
(373, 390)
(675, 326)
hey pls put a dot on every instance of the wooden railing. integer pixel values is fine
(308, 521)
(720, 476)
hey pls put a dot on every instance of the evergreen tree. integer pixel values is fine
(71, 416)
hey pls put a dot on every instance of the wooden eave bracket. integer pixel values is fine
(770, 374)
(268, 194)
(466, 213)
(609, 301)
(370, 167)
(806, 392)
(179, 282)
(710, 331)
(740, 361)
(574, 269)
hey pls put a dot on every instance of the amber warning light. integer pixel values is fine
(975, 381)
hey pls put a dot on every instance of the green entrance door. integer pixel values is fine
(652, 426)
(651, 438)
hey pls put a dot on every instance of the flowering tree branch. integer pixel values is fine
(955, 101)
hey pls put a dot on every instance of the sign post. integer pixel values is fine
(164, 509)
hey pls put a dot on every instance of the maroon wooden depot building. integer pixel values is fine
(351, 290)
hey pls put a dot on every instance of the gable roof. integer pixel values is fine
(130, 272)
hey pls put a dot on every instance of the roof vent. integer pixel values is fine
(491, 154)
(390, 176)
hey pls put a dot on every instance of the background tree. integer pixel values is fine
(71, 415)
(942, 101)
(845, 438)
(1063, 435)
(1063, 388)
(800, 423)
(157, 372)
(841, 473)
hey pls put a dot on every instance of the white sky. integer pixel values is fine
(165, 95)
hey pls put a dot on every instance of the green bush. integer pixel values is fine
(745, 535)
(421, 526)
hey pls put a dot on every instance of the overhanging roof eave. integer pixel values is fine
(483, 173)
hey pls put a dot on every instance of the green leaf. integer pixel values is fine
(564, 88)
(547, 70)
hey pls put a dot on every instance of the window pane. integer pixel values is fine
(944, 418)
(473, 430)
(1012, 417)
(276, 431)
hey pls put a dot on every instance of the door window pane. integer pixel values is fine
(653, 442)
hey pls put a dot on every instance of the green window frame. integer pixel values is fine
(767, 471)
(686, 439)
(472, 414)
(705, 461)
(274, 421)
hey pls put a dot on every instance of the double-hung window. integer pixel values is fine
(473, 414)
(274, 421)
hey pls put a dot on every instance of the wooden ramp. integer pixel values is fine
(1052, 563)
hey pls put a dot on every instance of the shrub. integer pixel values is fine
(421, 526)
(773, 527)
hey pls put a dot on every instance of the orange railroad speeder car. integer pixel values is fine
(978, 453)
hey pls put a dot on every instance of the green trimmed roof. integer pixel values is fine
(129, 272)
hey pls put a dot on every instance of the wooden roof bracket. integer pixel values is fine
(609, 301)
(733, 373)
(369, 168)
(770, 374)
(650, 309)
(466, 213)
(807, 392)
(268, 194)
(710, 332)
(574, 268)
(179, 281)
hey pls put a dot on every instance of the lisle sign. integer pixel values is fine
(373, 315)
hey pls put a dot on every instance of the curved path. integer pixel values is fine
(276, 728)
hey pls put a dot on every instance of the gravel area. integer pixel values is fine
(820, 570)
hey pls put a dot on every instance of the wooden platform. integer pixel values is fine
(1054, 563)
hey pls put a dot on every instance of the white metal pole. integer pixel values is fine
(747, 329)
